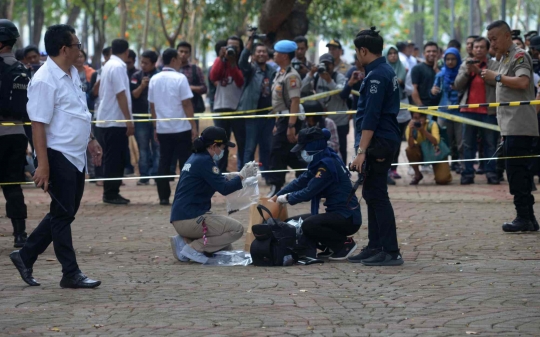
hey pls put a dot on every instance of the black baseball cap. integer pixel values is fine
(215, 134)
(326, 58)
(334, 43)
(535, 43)
(531, 34)
(307, 136)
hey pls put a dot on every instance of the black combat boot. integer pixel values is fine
(19, 232)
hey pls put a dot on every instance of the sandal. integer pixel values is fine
(416, 180)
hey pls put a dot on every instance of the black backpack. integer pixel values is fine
(14, 80)
(273, 242)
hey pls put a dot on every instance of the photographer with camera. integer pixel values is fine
(323, 78)
(376, 123)
(300, 62)
(257, 94)
(229, 80)
(478, 90)
(418, 131)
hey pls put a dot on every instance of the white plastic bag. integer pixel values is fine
(229, 258)
(247, 196)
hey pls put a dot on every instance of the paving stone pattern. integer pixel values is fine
(462, 276)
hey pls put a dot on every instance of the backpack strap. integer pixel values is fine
(195, 75)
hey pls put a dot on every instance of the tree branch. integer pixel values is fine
(184, 5)
(163, 21)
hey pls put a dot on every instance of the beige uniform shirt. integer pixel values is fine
(516, 120)
(287, 84)
(343, 67)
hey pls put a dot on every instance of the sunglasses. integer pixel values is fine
(79, 45)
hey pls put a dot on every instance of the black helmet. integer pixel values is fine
(8, 31)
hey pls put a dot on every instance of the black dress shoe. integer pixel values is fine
(115, 201)
(493, 180)
(164, 202)
(20, 240)
(518, 225)
(121, 197)
(78, 281)
(536, 227)
(26, 273)
(466, 180)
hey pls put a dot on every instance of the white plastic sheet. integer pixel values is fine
(247, 196)
(229, 258)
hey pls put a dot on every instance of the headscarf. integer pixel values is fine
(398, 66)
(327, 156)
(449, 74)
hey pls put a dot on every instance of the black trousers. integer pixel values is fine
(520, 176)
(328, 229)
(67, 186)
(12, 162)
(402, 128)
(171, 146)
(281, 157)
(381, 220)
(114, 142)
(238, 126)
(342, 132)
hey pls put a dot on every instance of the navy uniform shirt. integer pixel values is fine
(318, 182)
(378, 104)
(199, 180)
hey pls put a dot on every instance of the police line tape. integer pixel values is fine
(291, 170)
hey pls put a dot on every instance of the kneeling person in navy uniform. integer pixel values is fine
(326, 177)
(200, 231)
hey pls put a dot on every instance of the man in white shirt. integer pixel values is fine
(170, 96)
(115, 104)
(61, 128)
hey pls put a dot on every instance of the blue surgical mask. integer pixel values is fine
(217, 157)
(307, 158)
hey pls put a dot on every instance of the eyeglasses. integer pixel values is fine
(79, 45)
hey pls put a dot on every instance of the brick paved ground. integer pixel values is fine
(462, 275)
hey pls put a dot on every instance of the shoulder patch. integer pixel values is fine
(373, 89)
(320, 172)
(518, 55)
(293, 83)
(520, 60)
(375, 81)
(215, 170)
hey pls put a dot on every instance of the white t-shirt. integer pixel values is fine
(58, 101)
(114, 80)
(167, 90)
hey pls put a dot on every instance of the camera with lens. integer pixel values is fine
(417, 125)
(297, 65)
(321, 68)
(230, 50)
(473, 62)
(255, 35)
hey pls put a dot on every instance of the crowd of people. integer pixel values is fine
(65, 93)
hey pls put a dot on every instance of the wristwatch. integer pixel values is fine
(360, 151)
(498, 78)
(291, 125)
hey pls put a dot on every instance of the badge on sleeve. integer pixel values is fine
(133, 81)
(519, 57)
(215, 170)
(320, 172)
(293, 83)
(373, 89)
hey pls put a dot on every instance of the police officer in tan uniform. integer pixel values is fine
(285, 99)
(519, 125)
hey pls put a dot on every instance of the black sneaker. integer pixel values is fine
(493, 180)
(465, 180)
(383, 259)
(364, 254)
(348, 248)
(536, 227)
(164, 202)
(115, 201)
(518, 225)
(326, 253)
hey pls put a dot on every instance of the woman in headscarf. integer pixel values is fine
(444, 88)
(404, 116)
(326, 177)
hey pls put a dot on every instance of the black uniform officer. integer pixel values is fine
(13, 141)
(328, 178)
(285, 99)
(377, 125)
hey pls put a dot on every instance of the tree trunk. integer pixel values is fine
(6, 9)
(284, 19)
(146, 22)
(489, 11)
(418, 10)
(123, 18)
(477, 18)
(39, 18)
(73, 15)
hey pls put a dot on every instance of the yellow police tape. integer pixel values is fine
(292, 170)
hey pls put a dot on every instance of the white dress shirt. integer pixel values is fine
(114, 80)
(57, 100)
(167, 90)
